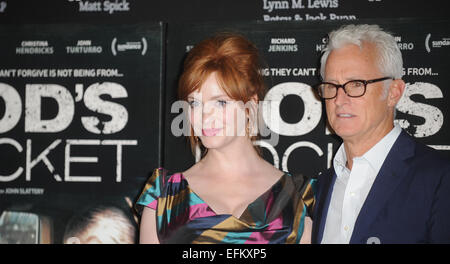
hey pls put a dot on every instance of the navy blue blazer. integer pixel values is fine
(409, 201)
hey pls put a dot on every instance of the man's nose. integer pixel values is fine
(341, 97)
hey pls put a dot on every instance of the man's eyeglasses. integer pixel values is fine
(353, 88)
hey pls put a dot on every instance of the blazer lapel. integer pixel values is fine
(323, 203)
(390, 175)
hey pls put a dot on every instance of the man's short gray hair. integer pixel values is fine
(390, 62)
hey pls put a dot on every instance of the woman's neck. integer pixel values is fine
(238, 156)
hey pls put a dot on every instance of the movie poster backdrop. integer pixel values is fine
(80, 122)
(296, 116)
(86, 110)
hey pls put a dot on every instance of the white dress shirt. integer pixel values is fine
(352, 187)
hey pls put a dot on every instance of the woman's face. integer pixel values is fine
(216, 119)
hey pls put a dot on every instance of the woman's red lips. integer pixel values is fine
(210, 132)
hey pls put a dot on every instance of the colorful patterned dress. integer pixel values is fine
(277, 216)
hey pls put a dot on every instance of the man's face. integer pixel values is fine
(368, 116)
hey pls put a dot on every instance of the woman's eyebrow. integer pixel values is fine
(216, 97)
(222, 96)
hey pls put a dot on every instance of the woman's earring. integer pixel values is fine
(249, 128)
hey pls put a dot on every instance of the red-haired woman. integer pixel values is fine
(232, 195)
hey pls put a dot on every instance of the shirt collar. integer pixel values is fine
(378, 153)
(374, 156)
(339, 161)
